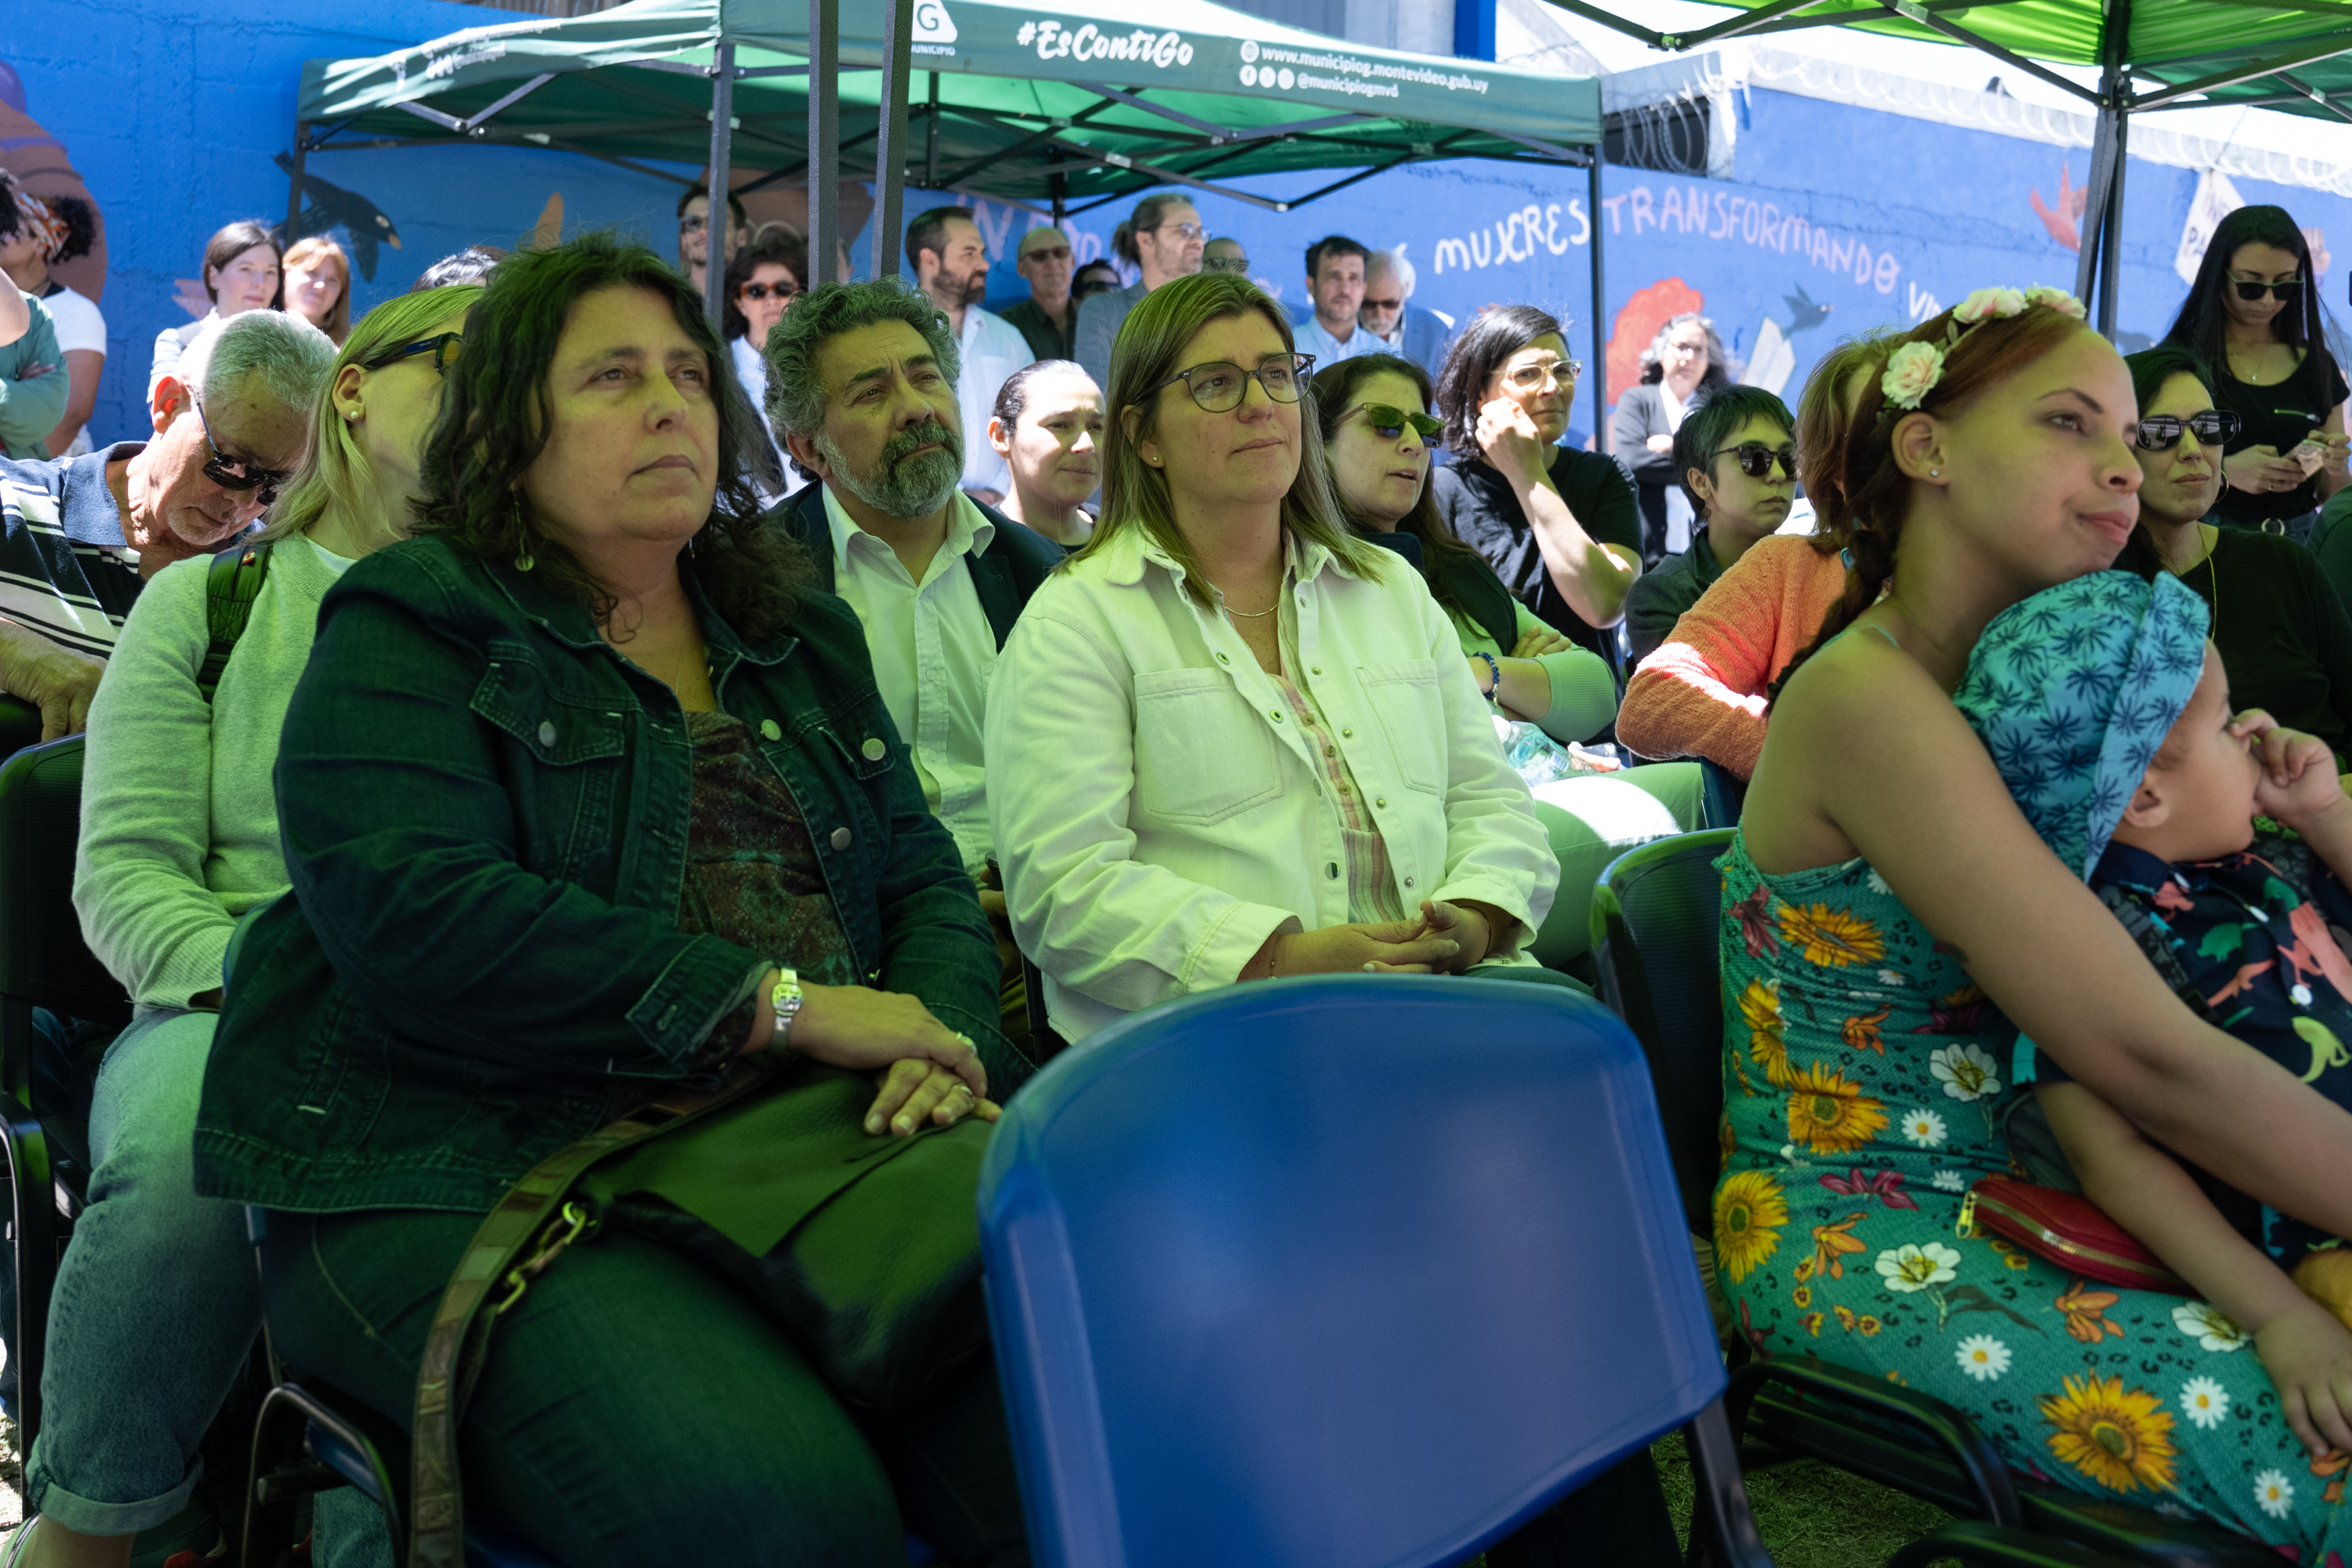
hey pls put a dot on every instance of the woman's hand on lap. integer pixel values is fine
(1470, 925)
(2308, 1354)
(1394, 947)
(861, 1029)
(915, 1091)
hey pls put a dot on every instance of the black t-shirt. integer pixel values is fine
(1478, 503)
(2277, 416)
(2282, 634)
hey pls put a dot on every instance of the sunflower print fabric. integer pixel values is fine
(1864, 1082)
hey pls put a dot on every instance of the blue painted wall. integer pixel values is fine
(170, 110)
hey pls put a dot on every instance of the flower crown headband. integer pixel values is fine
(1912, 371)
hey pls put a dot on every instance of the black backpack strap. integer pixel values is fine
(232, 583)
(2157, 944)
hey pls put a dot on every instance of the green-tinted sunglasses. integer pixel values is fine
(1388, 422)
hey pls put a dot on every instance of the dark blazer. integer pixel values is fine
(1004, 574)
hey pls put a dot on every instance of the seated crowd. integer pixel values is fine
(614, 771)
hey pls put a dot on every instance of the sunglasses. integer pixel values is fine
(1046, 253)
(241, 473)
(1219, 388)
(442, 347)
(767, 290)
(1755, 459)
(1388, 422)
(2214, 427)
(2250, 290)
(1092, 286)
(1373, 304)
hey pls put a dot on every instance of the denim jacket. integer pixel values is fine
(486, 814)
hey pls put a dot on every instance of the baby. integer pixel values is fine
(2119, 743)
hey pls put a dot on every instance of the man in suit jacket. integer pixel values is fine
(1401, 327)
(862, 386)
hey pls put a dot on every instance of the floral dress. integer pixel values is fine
(1864, 1080)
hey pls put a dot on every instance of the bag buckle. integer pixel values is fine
(576, 1222)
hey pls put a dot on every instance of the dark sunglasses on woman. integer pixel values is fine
(2249, 289)
(1755, 458)
(766, 291)
(442, 346)
(1387, 422)
(2214, 427)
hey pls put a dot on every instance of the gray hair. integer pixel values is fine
(796, 400)
(1393, 261)
(291, 357)
(1721, 368)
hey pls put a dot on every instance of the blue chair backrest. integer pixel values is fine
(1359, 1270)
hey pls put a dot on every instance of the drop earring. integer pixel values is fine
(523, 561)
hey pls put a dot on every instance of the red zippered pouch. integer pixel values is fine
(2068, 1229)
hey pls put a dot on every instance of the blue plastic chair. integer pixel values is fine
(1348, 1270)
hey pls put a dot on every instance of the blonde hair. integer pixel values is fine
(334, 468)
(317, 248)
(1135, 494)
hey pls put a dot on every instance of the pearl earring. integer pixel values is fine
(1934, 473)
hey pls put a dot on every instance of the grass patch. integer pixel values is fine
(1809, 1515)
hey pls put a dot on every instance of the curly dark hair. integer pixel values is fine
(495, 410)
(82, 225)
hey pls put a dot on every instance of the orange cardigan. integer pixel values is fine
(1701, 693)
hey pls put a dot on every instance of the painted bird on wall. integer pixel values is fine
(326, 206)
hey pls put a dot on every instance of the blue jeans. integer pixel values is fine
(156, 1309)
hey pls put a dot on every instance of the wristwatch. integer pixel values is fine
(786, 999)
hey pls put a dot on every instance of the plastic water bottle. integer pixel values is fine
(1534, 756)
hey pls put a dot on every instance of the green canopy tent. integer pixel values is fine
(1029, 103)
(2152, 55)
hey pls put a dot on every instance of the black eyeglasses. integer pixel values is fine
(232, 474)
(1388, 422)
(1219, 388)
(1756, 458)
(1085, 286)
(442, 347)
(2214, 427)
(767, 290)
(2248, 289)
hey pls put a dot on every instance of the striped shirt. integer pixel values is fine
(65, 569)
(1371, 882)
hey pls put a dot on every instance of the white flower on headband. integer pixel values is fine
(1987, 303)
(1911, 372)
(2057, 299)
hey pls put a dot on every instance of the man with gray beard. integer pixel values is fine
(862, 387)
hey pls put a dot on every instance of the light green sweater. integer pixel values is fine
(1583, 692)
(179, 820)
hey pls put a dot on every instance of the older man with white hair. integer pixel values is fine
(1388, 313)
(80, 537)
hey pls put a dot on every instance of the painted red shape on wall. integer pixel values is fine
(1637, 323)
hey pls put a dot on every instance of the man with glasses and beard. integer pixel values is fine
(862, 382)
(950, 265)
(80, 537)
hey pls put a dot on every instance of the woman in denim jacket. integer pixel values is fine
(1227, 740)
(572, 782)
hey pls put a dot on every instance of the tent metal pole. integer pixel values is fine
(1060, 184)
(890, 144)
(718, 224)
(294, 180)
(2092, 229)
(931, 135)
(825, 140)
(2111, 244)
(1599, 367)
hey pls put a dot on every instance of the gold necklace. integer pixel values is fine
(2213, 572)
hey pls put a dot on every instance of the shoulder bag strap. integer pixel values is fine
(232, 583)
(459, 1342)
(2158, 946)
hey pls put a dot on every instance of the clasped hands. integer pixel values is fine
(1445, 938)
(926, 1072)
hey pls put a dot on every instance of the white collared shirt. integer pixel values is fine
(1313, 339)
(1157, 812)
(992, 349)
(934, 653)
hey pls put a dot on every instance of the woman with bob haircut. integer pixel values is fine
(2252, 316)
(319, 286)
(1228, 739)
(1892, 921)
(1558, 527)
(588, 803)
